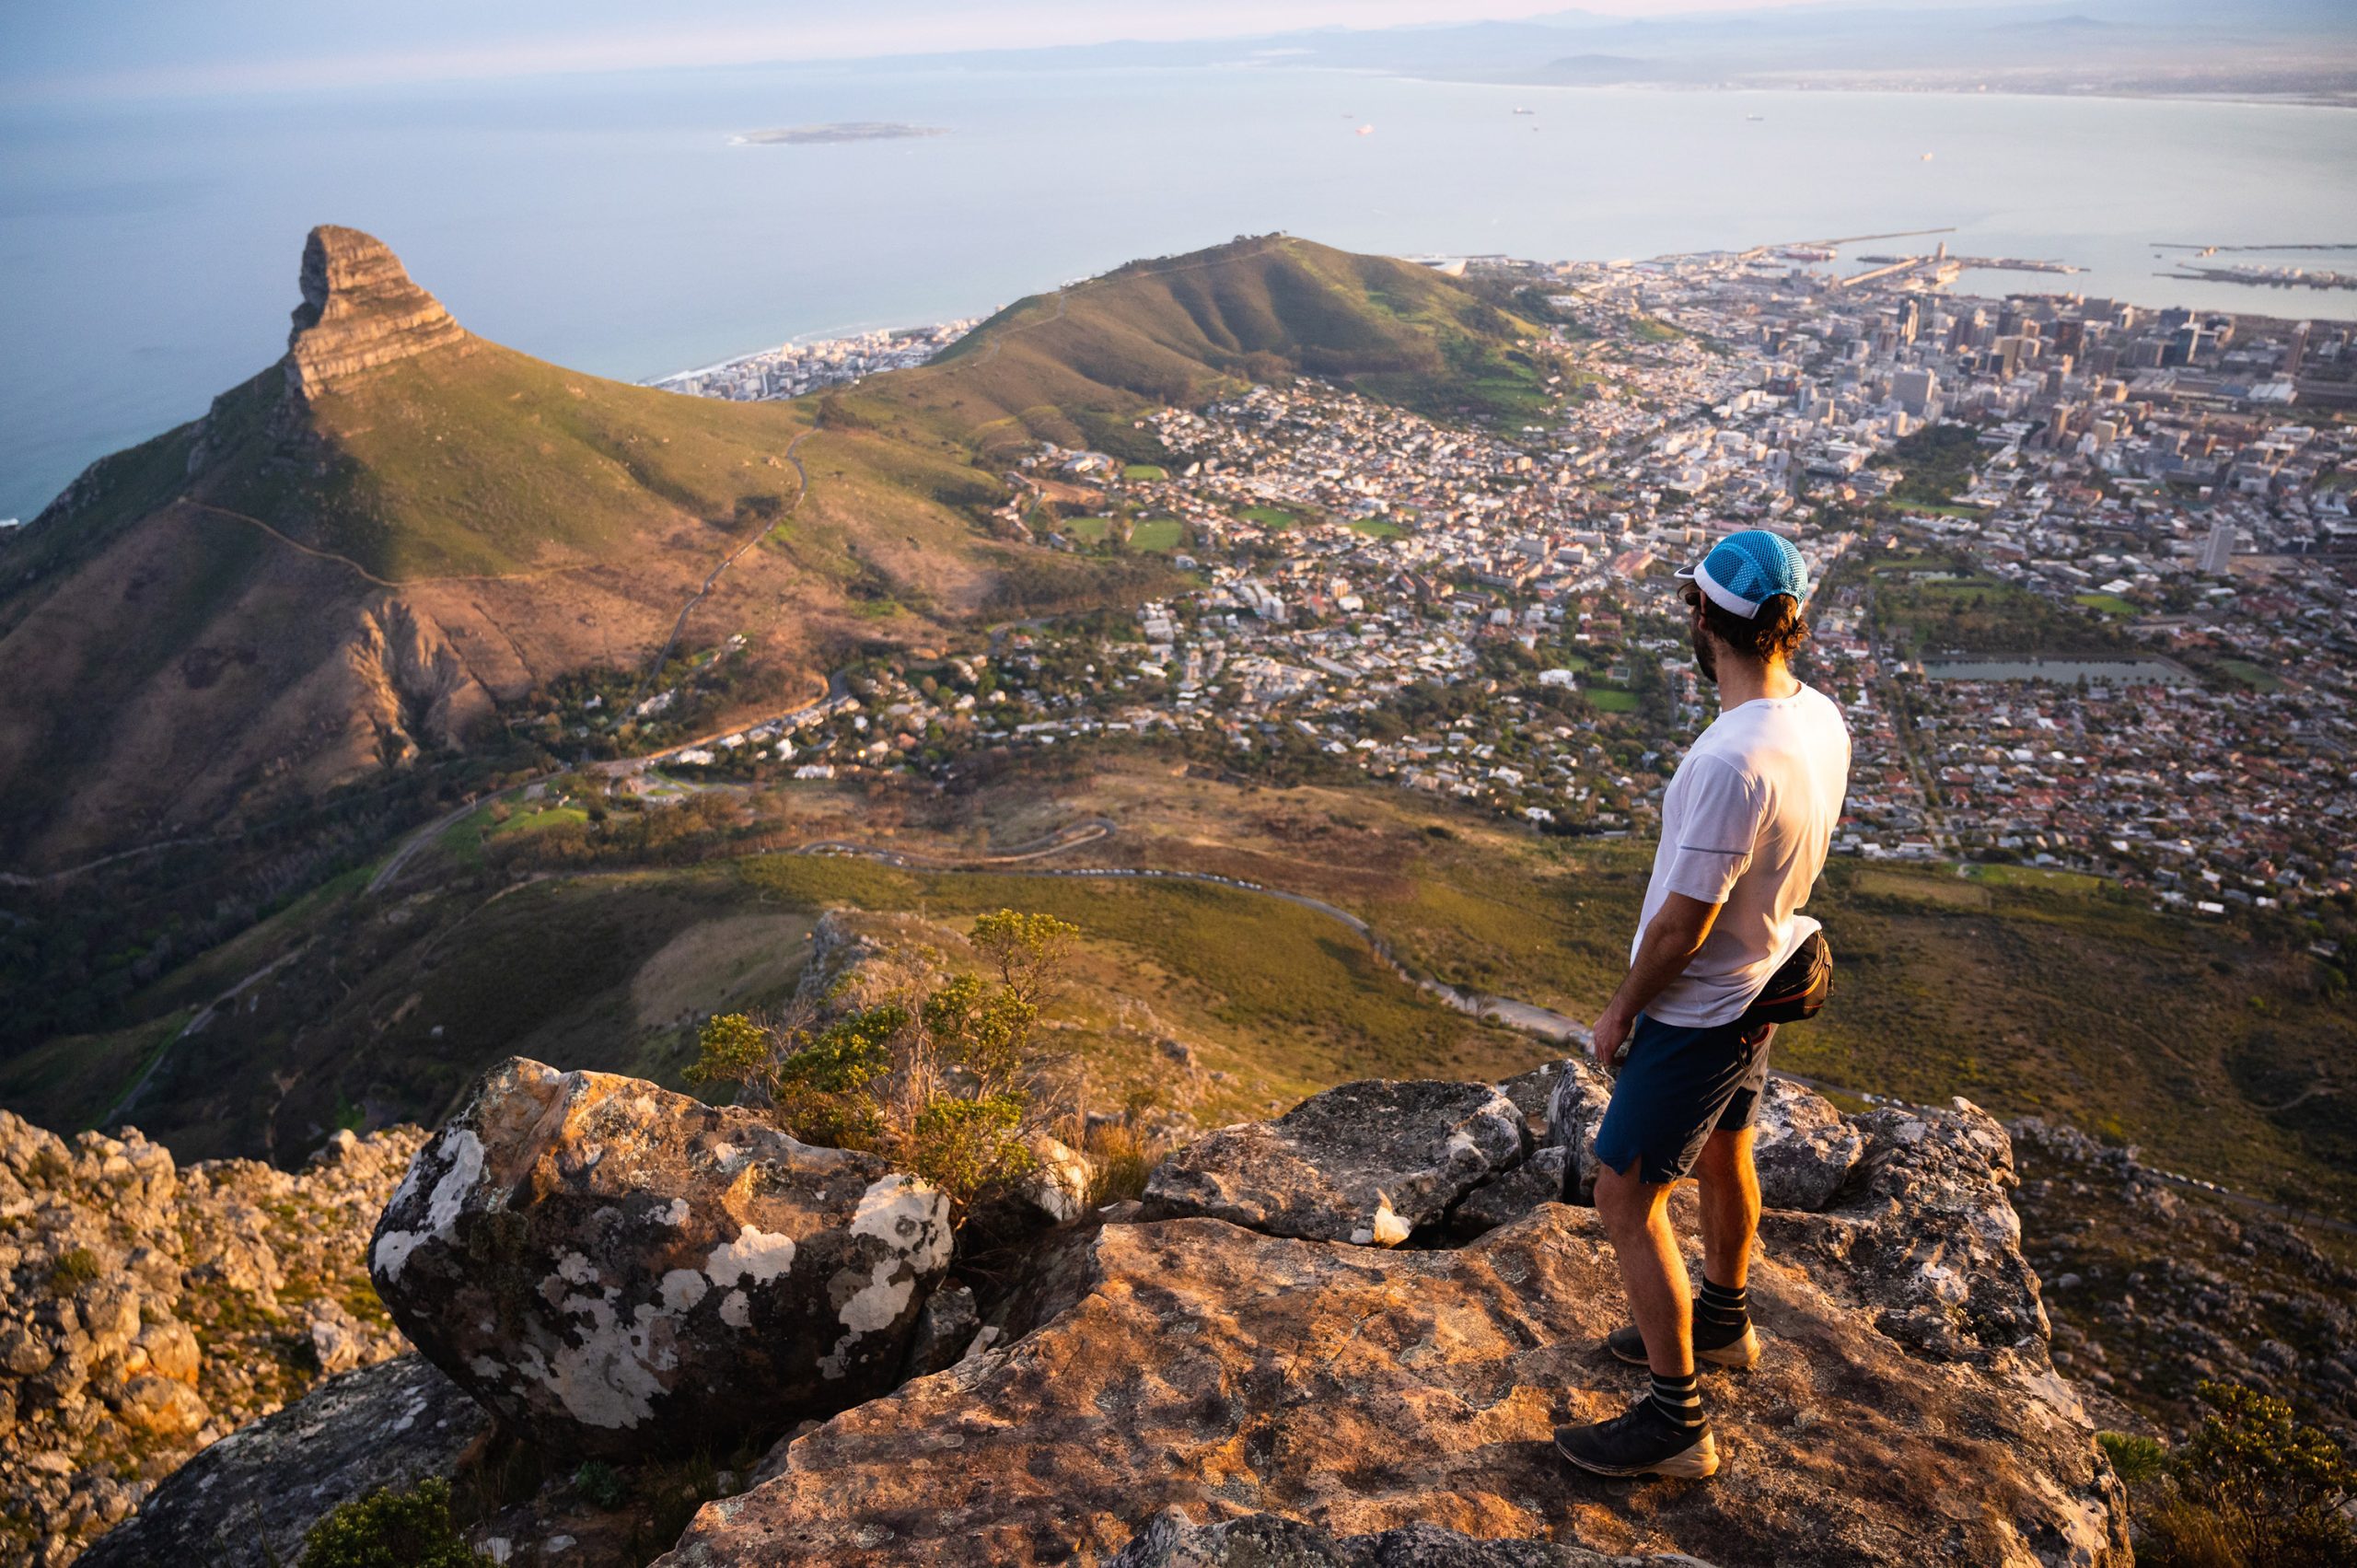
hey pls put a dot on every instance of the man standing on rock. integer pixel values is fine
(1745, 825)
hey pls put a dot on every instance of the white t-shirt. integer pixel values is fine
(1745, 824)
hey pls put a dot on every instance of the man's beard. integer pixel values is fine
(1706, 654)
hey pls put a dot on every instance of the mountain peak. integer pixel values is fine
(360, 311)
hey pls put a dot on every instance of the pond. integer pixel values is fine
(2064, 671)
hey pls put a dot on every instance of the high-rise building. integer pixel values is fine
(1917, 391)
(2296, 350)
(2219, 551)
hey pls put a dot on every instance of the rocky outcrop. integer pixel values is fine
(2157, 1285)
(1804, 1148)
(1930, 1244)
(247, 1501)
(1271, 1540)
(1206, 1367)
(617, 1270)
(359, 311)
(414, 689)
(149, 1310)
(1368, 1163)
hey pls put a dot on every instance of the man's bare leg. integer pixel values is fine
(1730, 1192)
(1666, 1431)
(1636, 1216)
(1720, 1327)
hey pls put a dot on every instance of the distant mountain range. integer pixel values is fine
(2267, 46)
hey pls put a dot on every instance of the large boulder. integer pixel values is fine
(617, 1270)
(247, 1501)
(1368, 1163)
(1927, 1238)
(1575, 1110)
(1205, 1367)
(1805, 1148)
(1271, 1540)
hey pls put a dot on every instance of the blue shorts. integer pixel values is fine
(1678, 1085)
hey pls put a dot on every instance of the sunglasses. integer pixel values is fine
(1690, 596)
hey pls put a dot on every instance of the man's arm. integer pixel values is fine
(1669, 943)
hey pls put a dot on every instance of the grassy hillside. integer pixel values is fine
(279, 599)
(2221, 1057)
(614, 970)
(1180, 330)
(489, 462)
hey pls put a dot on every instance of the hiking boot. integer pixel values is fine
(1714, 1345)
(1642, 1442)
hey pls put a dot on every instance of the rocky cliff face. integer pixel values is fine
(1237, 1383)
(2154, 1288)
(151, 1310)
(1217, 1372)
(360, 311)
(414, 689)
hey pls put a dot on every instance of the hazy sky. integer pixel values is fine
(66, 49)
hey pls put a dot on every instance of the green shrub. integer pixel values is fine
(2251, 1489)
(966, 1146)
(2137, 1459)
(941, 1088)
(601, 1485)
(392, 1530)
(75, 1267)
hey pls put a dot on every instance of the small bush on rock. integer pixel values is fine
(601, 1485)
(74, 1268)
(2137, 1459)
(392, 1530)
(2251, 1489)
(943, 1087)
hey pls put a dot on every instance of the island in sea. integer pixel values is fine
(845, 131)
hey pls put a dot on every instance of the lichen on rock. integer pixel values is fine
(620, 1270)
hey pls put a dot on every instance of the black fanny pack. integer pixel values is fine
(1798, 988)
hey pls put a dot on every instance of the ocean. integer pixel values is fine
(148, 253)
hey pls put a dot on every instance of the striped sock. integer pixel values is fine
(1679, 1400)
(1722, 1307)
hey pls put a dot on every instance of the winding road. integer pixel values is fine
(121, 1108)
(1526, 1018)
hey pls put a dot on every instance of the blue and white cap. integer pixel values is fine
(1746, 570)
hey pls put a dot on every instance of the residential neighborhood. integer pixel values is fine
(2084, 574)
